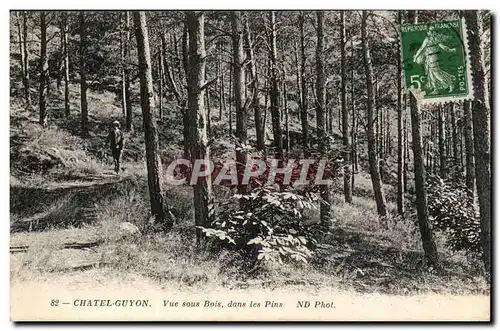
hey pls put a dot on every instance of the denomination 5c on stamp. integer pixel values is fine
(436, 61)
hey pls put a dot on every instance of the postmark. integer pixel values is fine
(436, 61)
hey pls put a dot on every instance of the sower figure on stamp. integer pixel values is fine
(428, 55)
(115, 138)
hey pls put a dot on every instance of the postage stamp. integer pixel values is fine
(436, 61)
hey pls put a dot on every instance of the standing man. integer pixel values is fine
(115, 138)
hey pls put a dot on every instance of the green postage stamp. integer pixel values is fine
(436, 61)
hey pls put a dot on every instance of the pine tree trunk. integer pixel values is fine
(345, 113)
(128, 116)
(372, 152)
(160, 82)
(303, 85)
(184, 107)
(441, 143)
(239, 97)
(481, 124)
(203, 197)
(44, 67)
(60, 58)
(26, 76)
(22, 44)
(354, 128)
(230, 99)
(285, 110)
(83, 76)
(420, 192)
(470, 177)
(259, 129)
(424, 224)
(454, 136)
(66, 65)
(274, 93)
(325, 207)
(159, 208)
(400, 196)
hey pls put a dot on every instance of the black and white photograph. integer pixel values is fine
(250, 165)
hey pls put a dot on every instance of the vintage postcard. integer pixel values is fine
(318, 165)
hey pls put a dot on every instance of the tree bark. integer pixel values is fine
(239, 93)
(454, 136)
(22, 35)
(470, 177)
(424, 224)
(481, 123)
(372, 152)
(303, 86)
(254, 86)
(83, 76)
(274, 94)
(26, 76)
(325, 207)
(400, 197)
(160, 83)
(159, 208)
(66, 65)
(128, 116)
(441, 143)
(345, 113)
(203, 197)
(44, 67)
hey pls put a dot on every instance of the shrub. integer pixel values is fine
(452, 212)
(267, 226)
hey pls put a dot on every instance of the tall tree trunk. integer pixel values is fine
(24, 65)
(481, 123)
(470, 177)
(184, 107)
(454, 136)
(83, 76)
(406, 145)
(44, 67)
(274, 93)
(285, 110)
(159, 208)
(128, 118)
(345, 113)
(354, 128)
(160, 82)
(123, 96)
(441, 143)
(230, 99)
(325, 207)
(66, 65)
(26, 76)
(203, 197)
(254, 85)
(303, 86)
(424, 224)
(372, 152)
(60, 57)
(222, 94)
(400, 197)
(239, 97)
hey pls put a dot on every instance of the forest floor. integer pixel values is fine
(70, 215)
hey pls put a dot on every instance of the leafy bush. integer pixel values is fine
(452, 212)
(267, 226)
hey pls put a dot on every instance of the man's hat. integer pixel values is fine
(116, 123)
